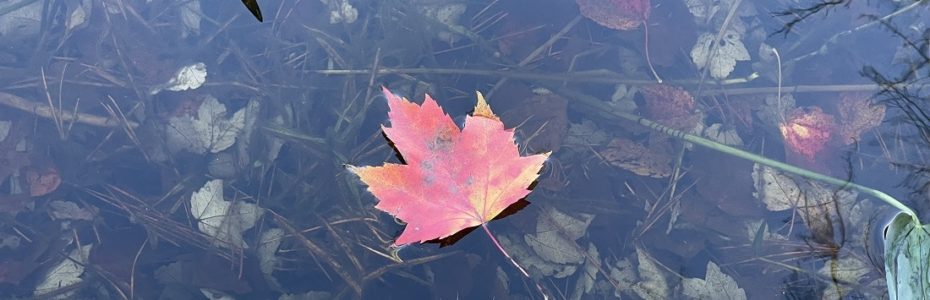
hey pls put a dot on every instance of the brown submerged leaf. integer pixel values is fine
(857, 115)
(652, 161)
(616, 14)
(671, 106)
(541, 121)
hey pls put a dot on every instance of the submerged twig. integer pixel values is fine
(50, 113)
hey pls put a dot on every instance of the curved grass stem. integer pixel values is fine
(767, 161)
(646, 46)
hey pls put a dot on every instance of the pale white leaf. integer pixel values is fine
(555, 236)
(5, 129)
(188, 77)
(535, 265)
(190, 17)
(715, 285)
(267, 253)
(209, 131)
(67, 210)
(340, 11)
(652, 284)
(223, 220)
(726, 136)
(730, 51)
(65, 274)
(20, 21)
(778, 191)
(588, 275)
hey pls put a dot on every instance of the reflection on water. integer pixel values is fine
(182, 149)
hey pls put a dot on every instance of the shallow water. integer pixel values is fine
(160, 186)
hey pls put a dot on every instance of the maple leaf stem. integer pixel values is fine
(499, 247)
(648, 59)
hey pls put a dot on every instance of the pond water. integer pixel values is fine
(185, 150)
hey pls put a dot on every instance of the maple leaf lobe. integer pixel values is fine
(454, 179)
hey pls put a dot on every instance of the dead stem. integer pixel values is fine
(50, 112)
(716, 45)
(132, 270)
(405, 264)
(155, 221)
(342, 244)
(55, 112)
(117, 113)
(317, 251)
(538, 51)
(648, 58)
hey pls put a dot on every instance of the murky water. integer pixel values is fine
(183, 149)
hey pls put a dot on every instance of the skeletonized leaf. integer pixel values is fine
(730, 51)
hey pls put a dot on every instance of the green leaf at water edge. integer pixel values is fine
(907, 258)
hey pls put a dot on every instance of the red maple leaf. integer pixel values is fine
(454, 179)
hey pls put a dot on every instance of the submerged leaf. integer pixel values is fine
(65, 275)
(653, 161)
(671, 106)
(652, 284)
(535, 265)
(616, 14)
(588, 276)
(543, 121)
(857, 115)
(726, 136)
(454, 179)
(210, 131)
(848, 269)
(715, 285)
(730, 51)
(807, 131)
(555, 236)
(188, 77)
(777, 190)
(223, 220)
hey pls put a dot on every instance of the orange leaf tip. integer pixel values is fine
(482, 109)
